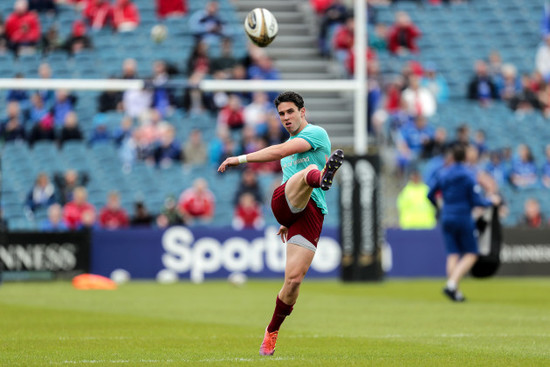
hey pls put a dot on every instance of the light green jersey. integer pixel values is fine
(317, 137)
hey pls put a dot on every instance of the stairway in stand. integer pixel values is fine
(296, 56)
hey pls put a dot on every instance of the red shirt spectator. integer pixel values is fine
(98, 13)
(22, 26)
(248, 213)
(125, 16)
(197, 202)
(167, 8)
(232, 115)
(73, 210)
(112, 216)
(403, 34)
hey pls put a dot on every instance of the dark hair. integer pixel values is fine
(459, 152)
(289, 97)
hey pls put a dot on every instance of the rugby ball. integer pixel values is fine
(159, 33)
(261, 27)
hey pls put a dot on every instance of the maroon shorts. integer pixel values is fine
(304, 226)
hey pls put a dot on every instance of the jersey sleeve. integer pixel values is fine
(316, 136)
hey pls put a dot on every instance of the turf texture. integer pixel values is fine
(505, 322)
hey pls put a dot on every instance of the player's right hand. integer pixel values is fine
(229, 162)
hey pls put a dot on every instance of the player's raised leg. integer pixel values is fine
(300, 186)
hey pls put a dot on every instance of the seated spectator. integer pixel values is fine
(482, 87)
(54, 222)
(100, 133)
(437, 145)
(462, 135)
(13, 111)
(335, 14)
(226, 60)
(402, 35)
(98, 13)
(20, 96)
(542, 58)
(248, 184)
(171, 8)
(50, 41)
(41, 195)
(77, 40)
(151, 127)
(248, 213)
(412, 139)
(435, 83)
(63, 104)
(507, 82)
(12, 129)
(378, 39)
(168, 150)
(169, 215)
(134, 102)
(496, 168)
(70, 130)
(480, 142)
(532, 216)
(88, 221)
(194, 150)
(125, 16)
(419, 101)
(38, 109)
(256, 112)
(545, 171)
(523, 173)
(232, 115)
(42, 130)
(74, 209)
(195, 101)
(124, 131)
(415, 210)
(112, 215)
(197, 202)
(263, 69)
(207, 24)
(109, 101)
(162, 97)
(48, 95)
(526, 100)
(141, 217)
(66, 182)
(199, 60)
(342, 41)
(23, 28)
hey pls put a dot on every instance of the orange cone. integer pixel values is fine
(93, 281)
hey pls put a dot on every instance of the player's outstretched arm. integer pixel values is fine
(268, 154)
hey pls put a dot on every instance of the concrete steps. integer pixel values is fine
(296, 56)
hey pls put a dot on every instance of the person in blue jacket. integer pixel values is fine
(456, 189)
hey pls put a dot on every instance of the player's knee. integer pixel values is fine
(294, 280)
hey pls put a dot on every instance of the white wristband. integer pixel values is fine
(242, 158)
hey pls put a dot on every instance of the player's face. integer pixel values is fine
(291, 117)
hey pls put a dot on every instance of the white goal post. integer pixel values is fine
(357, 85)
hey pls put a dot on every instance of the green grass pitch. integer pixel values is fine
(505, 322)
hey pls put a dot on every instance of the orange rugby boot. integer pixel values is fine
(268, 345)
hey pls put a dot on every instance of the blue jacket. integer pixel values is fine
(460, 192)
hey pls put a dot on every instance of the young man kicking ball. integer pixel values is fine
(299, 204)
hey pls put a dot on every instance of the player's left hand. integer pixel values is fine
(229, 162)
(283, 231)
